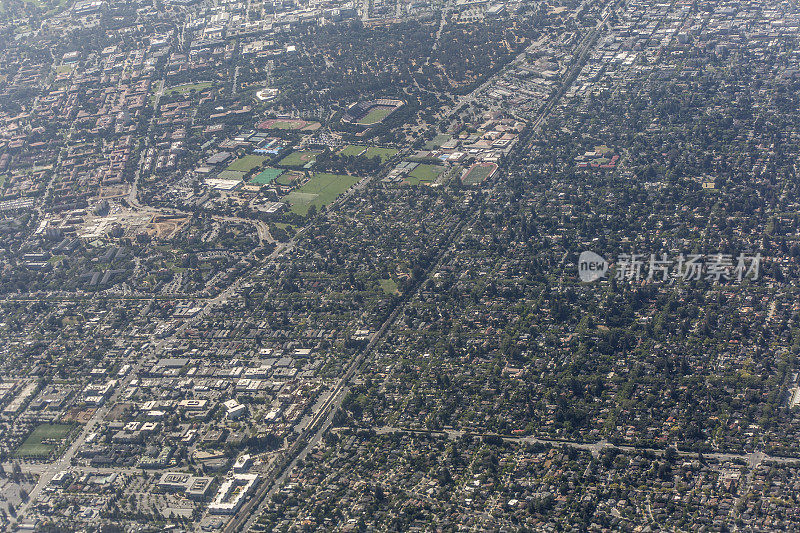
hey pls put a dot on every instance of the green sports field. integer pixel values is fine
(355, 150)
(288, 124)
(266, 176)
(320, 190)
(478, 173)
(352, 150)
(424, 172)
(232, 175)
(437, 141)
(287, 178)
(375, 115)
(247, 163)
(384, 153)
(43, 441)
(299, 158)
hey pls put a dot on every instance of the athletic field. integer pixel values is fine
(44, 440)
(375, 115)
(478, 172)
(424, 173)
(321, 190)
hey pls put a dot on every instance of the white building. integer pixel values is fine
(232, 493)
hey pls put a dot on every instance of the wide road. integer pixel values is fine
(752, 459)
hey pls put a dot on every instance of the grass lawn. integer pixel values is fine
(424, 172)
(320, 190)
(266, 176)
(389, 286)
(299, 158)
(437, 141)
(352, 150)
(372, 151)
(383, 153)
(247, 163)
(37, 3)
(231, 175)
(287, 178)
(187, 87)
(288, 124)
(603, 150)
(42, 442)
(375, 115)
(56, 6)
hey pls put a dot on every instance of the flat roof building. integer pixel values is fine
(232, 494)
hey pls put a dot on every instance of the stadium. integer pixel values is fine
(370, 113)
